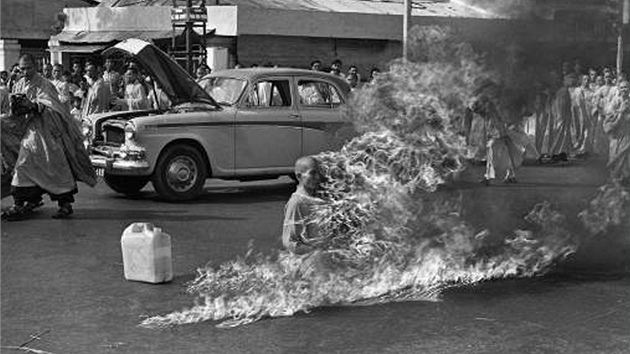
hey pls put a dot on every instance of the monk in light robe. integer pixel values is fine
(51, 157)
(135, 94)
(98, 97)
(601, 101)
(542, 113)
(582, 99)
(617, 126)
(505, 147)
(61, 85)
(563, 121)
(158, 99)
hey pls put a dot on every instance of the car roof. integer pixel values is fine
(253, 73)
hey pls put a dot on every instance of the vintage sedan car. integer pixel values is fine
(250, 124)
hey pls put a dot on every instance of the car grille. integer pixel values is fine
(113, 132)
(114, 136)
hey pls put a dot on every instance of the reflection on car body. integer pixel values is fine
(247, 124)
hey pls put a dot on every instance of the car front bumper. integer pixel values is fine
(120, 167)
(116, 162)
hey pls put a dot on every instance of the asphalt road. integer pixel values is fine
(64, 278)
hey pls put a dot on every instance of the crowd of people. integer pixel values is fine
(352, 76)
(90, 88)
(587, 116)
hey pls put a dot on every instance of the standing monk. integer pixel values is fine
(563, 123)
(617, 126)
(51, 156)
(505, 148)
(63, 88)
(98, 97)
(135, 95)
(111, 77)
(582, 116)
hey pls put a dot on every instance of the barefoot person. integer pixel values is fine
(51, 157)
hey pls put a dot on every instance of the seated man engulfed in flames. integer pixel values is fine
(299, 233)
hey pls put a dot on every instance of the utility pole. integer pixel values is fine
(625, 19)
(406, 25)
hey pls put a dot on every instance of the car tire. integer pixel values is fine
(180, 173)
(128, 185)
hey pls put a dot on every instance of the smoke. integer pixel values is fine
(502, 8)
(390, 236)
(607, 209)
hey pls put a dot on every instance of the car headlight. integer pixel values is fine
(130, 131)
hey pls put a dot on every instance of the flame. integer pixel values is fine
(390, 237)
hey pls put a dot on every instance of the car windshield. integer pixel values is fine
(225, 90)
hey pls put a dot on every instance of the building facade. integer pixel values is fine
(363, 33)
(27, 25)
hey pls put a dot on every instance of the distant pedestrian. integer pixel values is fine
(353, 77)
(135, 94)
(374, 72)
(14, 76)
(62, 86)
(98, 97)
(111, 77)
(4, 101)
(201, 72)
(66, 77)
(47, 71)
(76, 76)
(505, 145)
(76, 110)
(335, 68)
(316, 65)
(158, 99)
(562, 126)
(4, 78)
(617, 126)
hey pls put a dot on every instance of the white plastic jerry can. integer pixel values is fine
(146, 253)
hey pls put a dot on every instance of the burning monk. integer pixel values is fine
(300, 234)
(51, 157)
(617, 126)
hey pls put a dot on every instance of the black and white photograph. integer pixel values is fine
(315, 176)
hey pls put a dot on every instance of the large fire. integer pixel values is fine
(391, 237)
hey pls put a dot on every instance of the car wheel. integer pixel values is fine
(180, 173)
(128, 185)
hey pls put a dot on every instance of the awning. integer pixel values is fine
(80, 48)
(110, 36)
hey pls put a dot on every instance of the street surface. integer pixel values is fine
(64, 278)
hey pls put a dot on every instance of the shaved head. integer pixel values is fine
(306, 163)
(307, 174)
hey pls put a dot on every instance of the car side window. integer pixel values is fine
(314, 93)
(270, 93)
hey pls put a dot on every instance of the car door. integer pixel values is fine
(268, 132)
(319, 104)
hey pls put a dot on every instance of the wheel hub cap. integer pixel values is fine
(182, 173)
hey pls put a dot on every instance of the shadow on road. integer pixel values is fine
(144, 214)
(233, 194)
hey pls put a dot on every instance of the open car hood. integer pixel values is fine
(178, 85)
